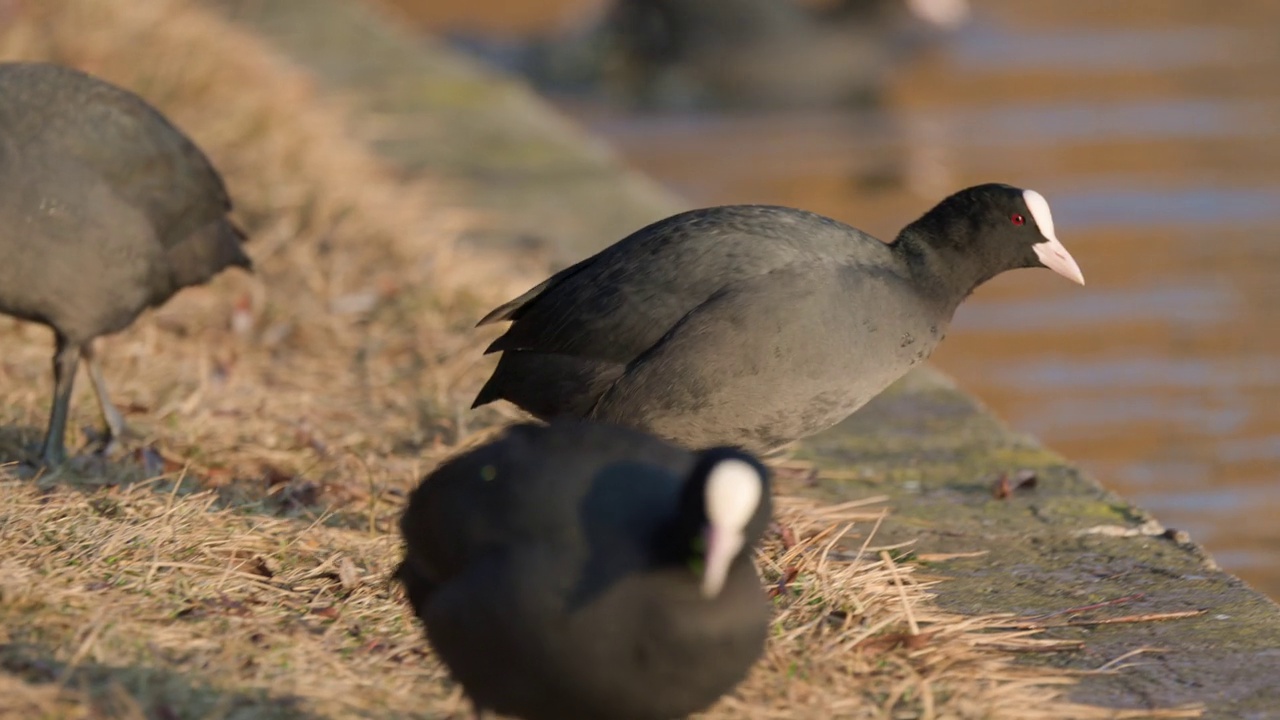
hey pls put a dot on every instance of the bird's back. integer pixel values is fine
(135, 149)
(528, 486)
(146, 196)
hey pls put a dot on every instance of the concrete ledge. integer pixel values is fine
(431, 110)
(1066, 543)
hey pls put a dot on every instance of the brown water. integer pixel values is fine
(1153, 127)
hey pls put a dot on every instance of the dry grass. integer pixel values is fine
(858, 636)
(143, 600)
(235, 564)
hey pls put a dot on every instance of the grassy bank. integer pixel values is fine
(234, 563)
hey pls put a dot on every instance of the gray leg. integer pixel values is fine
(65, 359)
(110, 415)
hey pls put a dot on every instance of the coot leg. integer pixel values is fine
(110, 415)
(66, 357)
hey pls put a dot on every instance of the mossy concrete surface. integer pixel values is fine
(547, 184)
(1064, 543)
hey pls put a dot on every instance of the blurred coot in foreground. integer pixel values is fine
(585, 571)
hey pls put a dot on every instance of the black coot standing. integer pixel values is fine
(106, 209)
(757, 325)
(586, 571)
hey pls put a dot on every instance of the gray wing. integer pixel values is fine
(771, 359)
(574, 334)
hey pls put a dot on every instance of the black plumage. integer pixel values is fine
(756, 325)
(586, 571)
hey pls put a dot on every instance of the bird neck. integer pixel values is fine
(681, 537)
(942, 265)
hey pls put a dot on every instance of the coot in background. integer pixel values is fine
(726, 54)
(765, 54)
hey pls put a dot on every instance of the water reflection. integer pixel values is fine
(1205, 305)
(987, 47)
(1111, 203)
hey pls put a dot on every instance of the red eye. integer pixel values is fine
(1017, 219)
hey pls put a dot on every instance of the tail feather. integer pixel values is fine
(510, 310)
(488, 393)
(549, 385)
(513, 309)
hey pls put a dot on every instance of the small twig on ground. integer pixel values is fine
(787, 577)
(943, 557)
(1114, 664)
(1087, 608)
(1145, 617)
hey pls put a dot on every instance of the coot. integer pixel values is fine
(755, 325)
(585, 571)
(106, 209)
